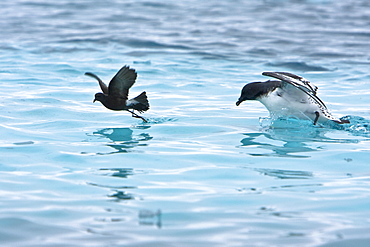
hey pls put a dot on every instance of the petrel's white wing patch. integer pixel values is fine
(139, 103)
(131, 103)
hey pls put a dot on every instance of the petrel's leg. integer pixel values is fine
(316, 118)
(137, 116)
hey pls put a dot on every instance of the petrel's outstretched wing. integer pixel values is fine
(102, 85)
(299, 82)
(306, 87)
(295, 80)
(122, 82)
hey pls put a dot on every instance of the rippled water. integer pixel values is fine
(201, 172)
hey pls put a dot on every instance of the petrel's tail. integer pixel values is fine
(139, 103)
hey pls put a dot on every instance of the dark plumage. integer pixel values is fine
(254, 90)
(115, 96)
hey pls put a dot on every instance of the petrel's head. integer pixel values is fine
(99, 97)
(254, 90)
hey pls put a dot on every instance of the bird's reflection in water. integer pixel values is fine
(122, 139)
(118, 172)
(150, 218)
(290, 141)
(309, 186)
(121, 196)
(275, 147)
(118, 189)
(285, 174)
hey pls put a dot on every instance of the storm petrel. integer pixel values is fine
(291, 95)
(115, 96)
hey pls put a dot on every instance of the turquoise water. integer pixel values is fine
(201, 172)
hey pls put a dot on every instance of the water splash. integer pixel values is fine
(358, 126)
(157, 120)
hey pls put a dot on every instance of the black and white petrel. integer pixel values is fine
(115, 96)
(291, 95)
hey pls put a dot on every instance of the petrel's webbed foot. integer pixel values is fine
(137, 116)
(316, 118)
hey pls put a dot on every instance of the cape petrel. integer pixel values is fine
(291, 95)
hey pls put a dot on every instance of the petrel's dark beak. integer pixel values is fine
(94, 100)
(239, 102)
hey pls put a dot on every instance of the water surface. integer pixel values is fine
(201, 172)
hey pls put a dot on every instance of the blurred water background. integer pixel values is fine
(202, 172)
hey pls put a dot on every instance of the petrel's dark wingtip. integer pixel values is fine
(90, 74)
(267, 73)
(342, 121)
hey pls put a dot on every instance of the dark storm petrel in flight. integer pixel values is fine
(115, 96)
